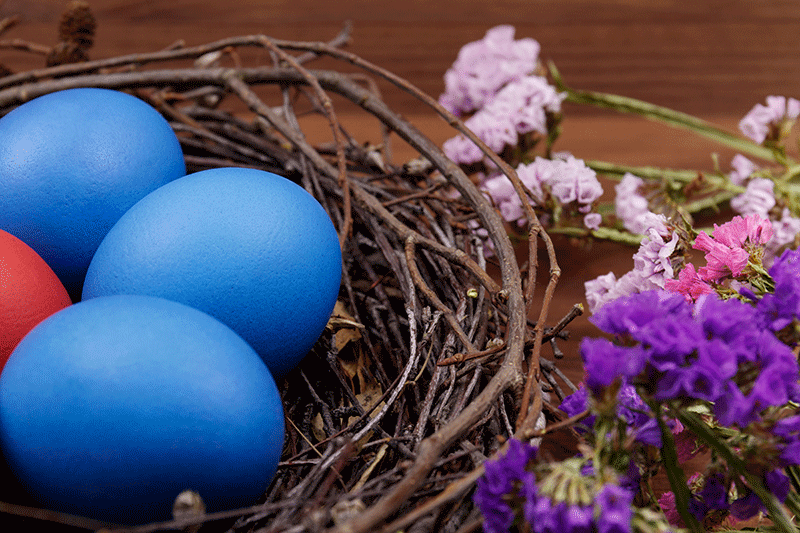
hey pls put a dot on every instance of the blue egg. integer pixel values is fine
(248, 247)
(71, 163)
(112, 407)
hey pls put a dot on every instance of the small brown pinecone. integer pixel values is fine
(66, 52)
(77, 24)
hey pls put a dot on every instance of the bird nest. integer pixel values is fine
(430, 361)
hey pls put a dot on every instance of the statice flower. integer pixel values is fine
(742, 169)
(483, 67)
(785, 232)
(763, 120)
(729, 247)
(714, 351)
(615, 504)
(503, 480)
(525, 103)
(632, 208)
(652, 270)
(689, 283)
(781, 308)
(518, 108)
(630, 408)
(758, 198)
(565, 179)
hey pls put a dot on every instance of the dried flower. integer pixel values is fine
(483, 67)
(689, 283)
(730, 246)
(742, 169)
(762, 121)
(503, 478)
(758, 198)
(632, 208)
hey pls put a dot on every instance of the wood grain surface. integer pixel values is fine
(712, 58)
(705, 56)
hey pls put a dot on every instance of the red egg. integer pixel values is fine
(29, 292)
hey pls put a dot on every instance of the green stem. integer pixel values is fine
(656, 173)
(668, 116)
(607, 234)
(776, 512)
(675, 474)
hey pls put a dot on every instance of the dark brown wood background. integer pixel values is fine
(704, 56)
(712, 58)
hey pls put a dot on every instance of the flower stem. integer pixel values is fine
(778, 515)
(665, 115)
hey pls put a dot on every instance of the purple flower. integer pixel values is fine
(759, 122)
(502, 477)
(781, 308)
(526, 102)
(577, 519)
(758, 198)
(483, 67)
(615, 509)
(742, 169)
(633, 210)
(778, 484)
(627, 315)
(604, 362)
(462, 150)
(747, 506)
(785, 231)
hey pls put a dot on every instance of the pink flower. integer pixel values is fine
(689, 284)
(740, 231)
(728, 247)
(758, 122)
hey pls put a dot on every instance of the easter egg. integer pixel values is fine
(29, 292)
(250, 248)
(112, 407)
(71, 163)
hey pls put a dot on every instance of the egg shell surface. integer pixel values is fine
(29, 292)
(71, 163)
(112, 407)
(250, 248)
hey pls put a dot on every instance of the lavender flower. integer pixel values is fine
(695, 353)
(785, 232)
(760, 121)
(632, 208)
(525, 102)
(566, 179)
(502, 479)
(652, 270)
(758, 198)
(483, 67)
(742, 169)
(616, 511)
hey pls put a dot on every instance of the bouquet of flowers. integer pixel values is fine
(696, 358)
